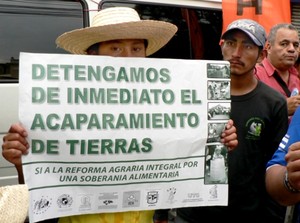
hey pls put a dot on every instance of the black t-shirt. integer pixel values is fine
(261, 119)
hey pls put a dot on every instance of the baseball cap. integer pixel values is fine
(254, 30)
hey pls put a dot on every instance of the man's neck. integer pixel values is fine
(241, 85)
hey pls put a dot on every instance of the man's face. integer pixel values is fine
(123, 48)
(240, 51)
(283, 53)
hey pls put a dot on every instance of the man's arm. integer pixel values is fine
(285, 189)
(14, 146)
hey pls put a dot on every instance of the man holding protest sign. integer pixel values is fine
(117, 32)
(260, 115)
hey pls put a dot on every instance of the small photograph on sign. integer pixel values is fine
(218, 90)
(215, 70)
(215, 164)
(215, 131)
(218, 111)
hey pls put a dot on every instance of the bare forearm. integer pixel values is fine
(20, 174)
(275, 186)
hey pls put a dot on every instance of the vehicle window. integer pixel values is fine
(199, 29)
(33, 26)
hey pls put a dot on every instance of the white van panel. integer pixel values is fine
(9, 106)
(9, 114)
(30, 18)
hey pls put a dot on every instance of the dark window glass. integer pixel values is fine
(33, 26)
(199, 29)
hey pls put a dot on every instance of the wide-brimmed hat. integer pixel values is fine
(250, 27)
(118, 23)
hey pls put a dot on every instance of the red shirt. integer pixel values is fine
(265, 73)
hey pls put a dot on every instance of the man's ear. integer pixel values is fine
(221, 43)
(267, 47)
(262, 54)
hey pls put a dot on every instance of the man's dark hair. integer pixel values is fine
(93, 49)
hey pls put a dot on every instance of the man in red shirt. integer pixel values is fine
(277, 69)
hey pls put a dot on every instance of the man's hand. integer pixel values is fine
(229, 136)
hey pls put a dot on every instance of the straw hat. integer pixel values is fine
(14, 203)
(118, 23)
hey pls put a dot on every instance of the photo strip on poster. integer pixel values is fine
(218, 102)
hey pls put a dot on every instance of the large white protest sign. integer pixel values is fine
(118, 134)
